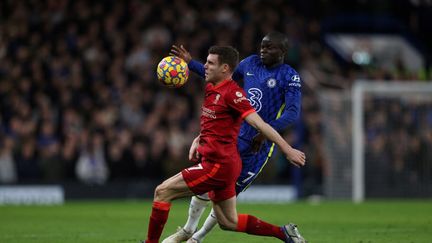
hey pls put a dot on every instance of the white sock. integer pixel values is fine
(196, 209)
(209, 224)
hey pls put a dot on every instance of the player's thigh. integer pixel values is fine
(226, 213)
(252, 165)
(172, 188)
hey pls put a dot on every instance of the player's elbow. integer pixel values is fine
(254, 120)
(293, 113)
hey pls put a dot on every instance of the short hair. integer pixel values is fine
(279, 38)
(226, 54)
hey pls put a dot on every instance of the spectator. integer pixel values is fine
(8, 173)
(91, 167)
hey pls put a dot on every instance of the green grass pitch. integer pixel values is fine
(126, 221)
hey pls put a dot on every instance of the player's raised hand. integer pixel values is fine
(181, 52)
(296, 157)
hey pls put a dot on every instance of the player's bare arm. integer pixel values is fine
(295, 156)
(181, 52)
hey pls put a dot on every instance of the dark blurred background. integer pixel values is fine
(80, 103)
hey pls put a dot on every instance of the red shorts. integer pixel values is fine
(216, 179)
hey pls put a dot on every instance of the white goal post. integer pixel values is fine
(360, 89)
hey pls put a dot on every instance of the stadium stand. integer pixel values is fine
(79, 101)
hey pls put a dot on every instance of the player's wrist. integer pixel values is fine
(288, 150)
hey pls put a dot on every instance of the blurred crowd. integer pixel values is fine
(398, 154)
(79, 99)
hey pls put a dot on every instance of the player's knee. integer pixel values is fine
(226, 224)
(161, 193)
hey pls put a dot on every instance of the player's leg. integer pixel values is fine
(247, 176)
(196, 208)
(172, 188)
(200, 178)
(228, 219)
(252, 164)
(209, 224)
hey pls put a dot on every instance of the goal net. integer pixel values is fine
(378, 140)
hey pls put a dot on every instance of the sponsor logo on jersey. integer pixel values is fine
(295, 78)
(239, 94)
(271, 83)
(208, 113)
(296, 81)
(255, 96)
(249, 74)
(239, 100)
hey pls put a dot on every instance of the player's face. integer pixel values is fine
(213, 69)
(270, 52)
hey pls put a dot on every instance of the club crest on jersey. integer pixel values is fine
(240, 97)
(216, 99)
(271, 83)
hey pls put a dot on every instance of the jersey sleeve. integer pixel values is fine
(236, 99)
(291, 112)
(197, 68)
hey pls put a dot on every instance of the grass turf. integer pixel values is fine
(126, 221)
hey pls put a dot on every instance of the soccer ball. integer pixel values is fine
(172, 72)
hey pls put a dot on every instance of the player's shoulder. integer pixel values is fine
(289, 73)
(231, 88)
(251, 60)
(286, 68)
(232, 85)
(208, 86)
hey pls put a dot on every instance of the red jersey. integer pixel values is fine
(224, 107)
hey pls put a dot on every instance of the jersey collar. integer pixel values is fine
(217, 86)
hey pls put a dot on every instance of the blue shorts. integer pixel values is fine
(252, 163)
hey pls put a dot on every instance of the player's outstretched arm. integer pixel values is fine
(183, 53)
(180, 51)
(296, 157)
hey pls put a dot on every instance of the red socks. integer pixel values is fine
(246, 223)
(158, 218)
(254, 226)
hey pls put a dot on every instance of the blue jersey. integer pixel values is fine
(276, 95)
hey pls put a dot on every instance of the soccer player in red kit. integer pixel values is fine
(224, 108)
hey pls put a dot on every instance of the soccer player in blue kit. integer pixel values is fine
(274, 90)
